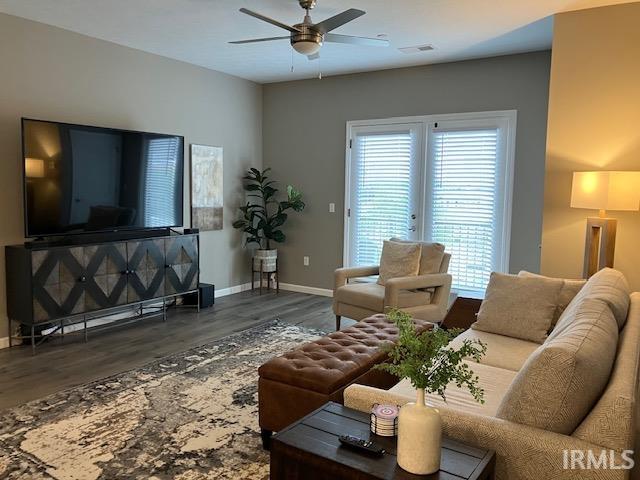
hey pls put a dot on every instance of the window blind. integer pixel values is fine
(465, 203)
(160, 181)
(382, 192)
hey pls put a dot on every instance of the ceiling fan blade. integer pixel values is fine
(338, 20)
(269, 20)
(315, 56)
(364, 41)
(239, 42)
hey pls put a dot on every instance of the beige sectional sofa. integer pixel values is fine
(575, 391)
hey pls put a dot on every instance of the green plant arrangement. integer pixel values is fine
(427, 361)
(263, 218)
(430, 364)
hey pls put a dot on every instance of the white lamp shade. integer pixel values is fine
(606, 190)
(307, 48)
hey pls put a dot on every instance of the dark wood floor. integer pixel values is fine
(24, 377)
(56, 367)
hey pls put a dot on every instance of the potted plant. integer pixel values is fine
(263, 218)
(430, 364)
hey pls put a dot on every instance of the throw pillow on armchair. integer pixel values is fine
(399, 260)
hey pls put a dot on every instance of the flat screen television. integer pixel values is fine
(82, 179)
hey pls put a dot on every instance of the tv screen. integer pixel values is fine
(81, 179)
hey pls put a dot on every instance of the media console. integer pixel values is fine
(63, 284)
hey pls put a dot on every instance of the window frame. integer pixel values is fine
(501, 119)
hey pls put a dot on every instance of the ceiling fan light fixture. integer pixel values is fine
(307, 37)
(307, 47)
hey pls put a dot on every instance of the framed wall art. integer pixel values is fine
(206, 187)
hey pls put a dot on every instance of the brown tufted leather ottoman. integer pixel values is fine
(301, 380)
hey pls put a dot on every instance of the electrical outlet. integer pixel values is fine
(332, 208)
(305, 261)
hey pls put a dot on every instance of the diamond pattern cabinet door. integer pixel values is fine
(182, 268)
(58, 279)
(145, 262)
(106, 267)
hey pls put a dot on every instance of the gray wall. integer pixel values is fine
(50, 73)
(304, 124)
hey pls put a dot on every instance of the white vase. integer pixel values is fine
(419, 437)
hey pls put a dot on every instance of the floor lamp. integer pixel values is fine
(603, 191)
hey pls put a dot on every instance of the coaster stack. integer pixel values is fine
(384, 420)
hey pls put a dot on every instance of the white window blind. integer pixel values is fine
(162, 157)
(381, 192)
(466, 202)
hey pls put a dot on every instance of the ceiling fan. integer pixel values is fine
(307, 37)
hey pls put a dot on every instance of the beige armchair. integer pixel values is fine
(424, 296)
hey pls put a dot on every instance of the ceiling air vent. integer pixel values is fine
(416, 49)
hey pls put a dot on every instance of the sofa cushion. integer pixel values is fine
(519, 307)
(494, 381)
(561, 381)
(399, 260)
(502, 352)
(569, 290)
(608, 285)
(608, 423)
(371, 296)
(431, 255)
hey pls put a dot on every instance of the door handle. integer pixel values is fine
(412, 229)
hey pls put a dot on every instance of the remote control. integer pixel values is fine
(361, 445)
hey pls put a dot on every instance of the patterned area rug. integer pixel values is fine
(190, 416)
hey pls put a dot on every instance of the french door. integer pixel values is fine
(438, 178)
(384, 189)
(466, 184)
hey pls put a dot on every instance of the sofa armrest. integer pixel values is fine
(342, 275)
(522, 452)
(440, 281)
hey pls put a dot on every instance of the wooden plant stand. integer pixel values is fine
(261, 277)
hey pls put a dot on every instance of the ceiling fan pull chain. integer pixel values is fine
(292, 61)
(319, 68)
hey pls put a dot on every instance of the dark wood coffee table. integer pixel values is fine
(309, 449)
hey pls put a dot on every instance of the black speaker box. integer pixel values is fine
(207, 296)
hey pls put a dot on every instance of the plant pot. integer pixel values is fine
(268, 258)
(419, 437)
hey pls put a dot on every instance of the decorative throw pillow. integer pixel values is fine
(569, 290)
(562, 380)
(519, 307)
(398, 260)
(430, 257)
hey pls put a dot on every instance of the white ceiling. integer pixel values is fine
(197, 31)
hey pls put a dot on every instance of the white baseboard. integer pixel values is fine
(4, 342)
(223, 292)
(324, 292)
